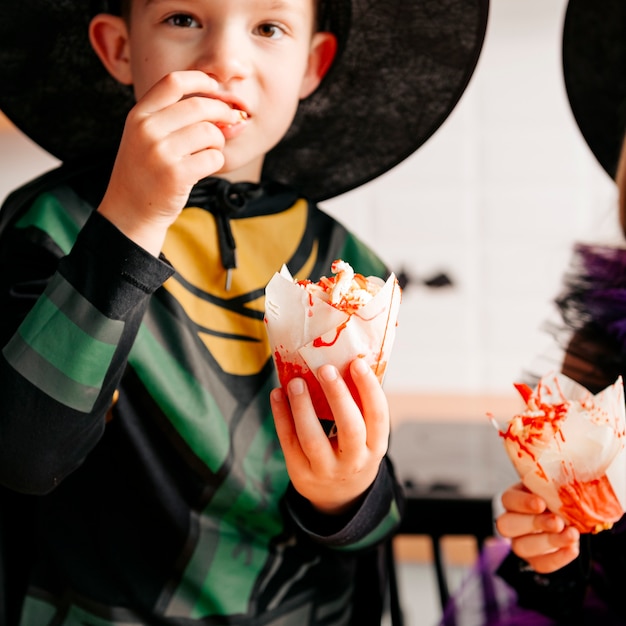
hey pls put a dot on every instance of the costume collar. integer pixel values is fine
(226, 201)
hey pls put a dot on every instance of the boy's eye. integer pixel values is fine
(270, 31)
(181, 20)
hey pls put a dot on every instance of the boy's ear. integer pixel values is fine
(321, 56)
(108, 35)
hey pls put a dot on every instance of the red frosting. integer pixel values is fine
(591, 506)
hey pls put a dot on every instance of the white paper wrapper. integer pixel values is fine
(568, 448)
(306, 332)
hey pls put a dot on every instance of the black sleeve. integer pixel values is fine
(374, 519)
(559, 595)
(43, 439)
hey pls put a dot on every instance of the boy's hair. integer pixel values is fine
(119, 7)
(323, 21)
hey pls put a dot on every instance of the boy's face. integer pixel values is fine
(263, 53)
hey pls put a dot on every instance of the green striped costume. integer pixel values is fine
(135, 413)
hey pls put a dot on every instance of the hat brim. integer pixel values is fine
(594, 72)
(403, 69)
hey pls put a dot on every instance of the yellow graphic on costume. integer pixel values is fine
(230, 321)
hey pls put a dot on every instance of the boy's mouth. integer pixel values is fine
(243, 115)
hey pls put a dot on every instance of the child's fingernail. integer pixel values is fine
(277, 395)
(296, 386)
(328, 372)
(360, 366)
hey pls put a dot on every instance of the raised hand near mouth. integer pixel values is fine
(172, 139)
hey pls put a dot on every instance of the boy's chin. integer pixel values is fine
(239, 170)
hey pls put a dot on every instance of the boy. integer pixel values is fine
(138, 382)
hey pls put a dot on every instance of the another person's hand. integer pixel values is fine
(333, 473)
(538, 536)
(171, 140)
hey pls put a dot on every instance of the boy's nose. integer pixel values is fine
(224, 57)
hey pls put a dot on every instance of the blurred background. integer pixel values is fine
(493, 201)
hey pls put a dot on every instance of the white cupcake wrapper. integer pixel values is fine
(307, 332)
(585, 458)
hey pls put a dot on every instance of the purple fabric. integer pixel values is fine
(595, 289)
(484, 599)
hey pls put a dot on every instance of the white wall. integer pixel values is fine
(495, 199)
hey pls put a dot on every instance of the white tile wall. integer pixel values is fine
(494, 198)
